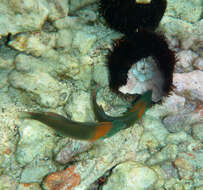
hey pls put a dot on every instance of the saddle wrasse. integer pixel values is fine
(104, 128)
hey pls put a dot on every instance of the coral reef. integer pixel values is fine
(51, 53)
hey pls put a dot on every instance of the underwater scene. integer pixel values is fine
(101, 94)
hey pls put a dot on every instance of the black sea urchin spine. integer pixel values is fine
(133, 48)
(127, 16)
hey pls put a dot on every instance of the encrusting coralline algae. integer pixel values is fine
(49, 55)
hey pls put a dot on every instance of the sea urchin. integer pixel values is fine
(148, 54)
(127, 16)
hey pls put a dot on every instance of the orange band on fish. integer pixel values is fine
(142, 110)
(102, 130)
(137, 106)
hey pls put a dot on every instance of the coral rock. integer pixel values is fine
(29, 186)
(185, 59)
(72, 148)
(198, 63)
(131, 176)
(189, 84)
(22, 16)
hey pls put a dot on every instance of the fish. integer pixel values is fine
(67, 127)
(105, 127)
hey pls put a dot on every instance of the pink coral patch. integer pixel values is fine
(63, 180)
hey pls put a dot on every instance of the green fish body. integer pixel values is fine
(104, 128)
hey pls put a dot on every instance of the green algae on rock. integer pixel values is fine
(36, 140)
(42, 87)
(183, 10)
(130, 176)
(31, 16)
(7, 182)
(35, 171)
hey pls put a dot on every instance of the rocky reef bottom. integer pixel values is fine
(51, 62)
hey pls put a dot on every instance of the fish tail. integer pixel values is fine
(25, 115)
(78, 130)
(36, 115)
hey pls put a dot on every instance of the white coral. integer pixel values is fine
(142, 76)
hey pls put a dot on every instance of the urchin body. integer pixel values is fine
(127, 16)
